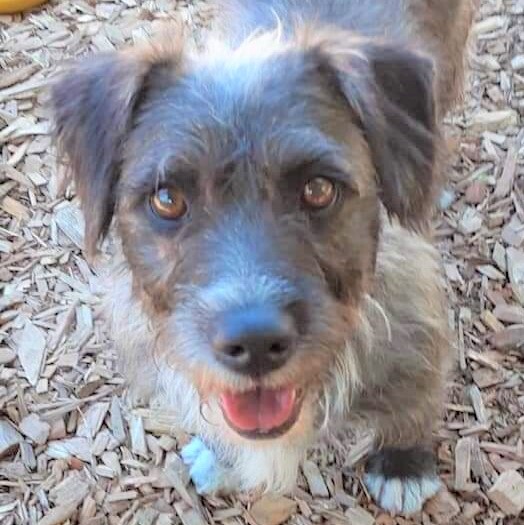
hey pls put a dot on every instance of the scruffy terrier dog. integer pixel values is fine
(269, 192)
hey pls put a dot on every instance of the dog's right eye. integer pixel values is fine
(168, 203)
(319, 193)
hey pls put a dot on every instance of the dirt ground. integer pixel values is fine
(70, 450)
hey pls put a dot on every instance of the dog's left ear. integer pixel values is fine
(390, 91)
(93, 104)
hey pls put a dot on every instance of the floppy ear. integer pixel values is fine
(390, 89)
(93, 105)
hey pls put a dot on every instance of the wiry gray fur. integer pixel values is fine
(380, 18)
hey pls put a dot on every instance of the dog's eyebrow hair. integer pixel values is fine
(317, 166)
(170, 171)
(323, 157)
(183, 177)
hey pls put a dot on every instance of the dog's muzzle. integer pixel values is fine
(255, 341)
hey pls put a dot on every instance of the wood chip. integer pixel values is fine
(18, 75)
(490, 24)
(359, 516)
(30, 343)
(508, 493)
(314, 479)
(9, 438)
(127, 495)
(70, 220)
(92, 420)
(515, 260)
(73, 489)
(443, 508)
(462, 463)
(88, 510)
(484, 359)
(517, 62)
(471, 221)
(359, 451)
(59, 514)
(511, 337)
(491, 272)
(505, 182)
(509, 313)
(6, 356)
(189, 515)
(485, 378)
(478, 464)
(63, 449)
(35, 429)
(178, 477)
(15, 208)
(272, 510)
(476, 192)
(478, 404)
(489, 319)
(493, 120)
(138, 437)
(117, 421)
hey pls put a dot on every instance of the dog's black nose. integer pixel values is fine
(255, 340)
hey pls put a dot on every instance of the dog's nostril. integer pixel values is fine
(278, 348)
(236, 351)
(255, 340)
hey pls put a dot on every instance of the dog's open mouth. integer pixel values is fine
(262, 412)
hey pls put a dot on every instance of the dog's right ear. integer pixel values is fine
(93, 105)
(390, 93)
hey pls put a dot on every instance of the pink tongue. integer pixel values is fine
(260, 409)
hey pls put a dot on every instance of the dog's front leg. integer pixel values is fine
(207, 468)
(217, 467)
(401, 473)
(401, 479)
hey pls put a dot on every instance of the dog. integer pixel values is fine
(271, 192)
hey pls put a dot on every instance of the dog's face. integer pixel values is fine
(246, 188)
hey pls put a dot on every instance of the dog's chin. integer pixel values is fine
(262, 413)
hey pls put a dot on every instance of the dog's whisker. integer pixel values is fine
(375, 304)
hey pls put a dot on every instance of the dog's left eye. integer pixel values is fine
(168, 203)
(319, 193)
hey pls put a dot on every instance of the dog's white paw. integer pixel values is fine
(401, 495)
(208, 475)
(400, 480)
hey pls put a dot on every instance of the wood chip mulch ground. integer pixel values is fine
(70, 449)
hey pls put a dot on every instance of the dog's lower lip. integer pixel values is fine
(261, 412)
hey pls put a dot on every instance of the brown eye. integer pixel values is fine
(319, 193)
(169, 203)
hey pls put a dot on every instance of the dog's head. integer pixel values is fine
(247, 187)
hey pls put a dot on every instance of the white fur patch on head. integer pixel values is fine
(402, 495)
(260, 46)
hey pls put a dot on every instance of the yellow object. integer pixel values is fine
(16, 6)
